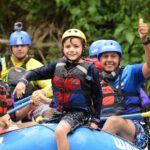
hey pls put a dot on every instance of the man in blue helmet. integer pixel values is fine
(16, 64)
(127, 82)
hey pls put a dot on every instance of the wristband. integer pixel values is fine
(24, 81)
(147, 41)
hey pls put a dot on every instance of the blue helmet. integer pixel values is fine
(0, 64)
(95, 48)
(110, 46)
(19, 38)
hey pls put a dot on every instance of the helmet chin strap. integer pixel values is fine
(110, 76)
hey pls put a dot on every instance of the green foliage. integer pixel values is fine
(110, 20)
(98, 19)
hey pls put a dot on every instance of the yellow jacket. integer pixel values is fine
(31, 64)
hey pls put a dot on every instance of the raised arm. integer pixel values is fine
(143, 33)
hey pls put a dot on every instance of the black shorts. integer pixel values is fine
(74, 118)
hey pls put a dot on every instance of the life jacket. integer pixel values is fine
(114, 98)
(6, 102)
(71, 86)
(108, 94)
(15, 73)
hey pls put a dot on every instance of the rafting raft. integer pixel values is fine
(42, 137)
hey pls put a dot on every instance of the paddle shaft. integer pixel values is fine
(19, 107)
(2, 124)
(22, 100)
(131, 116)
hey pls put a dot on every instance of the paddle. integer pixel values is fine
(22, 100)
(2, 124)
(130, 116)
(19, 107)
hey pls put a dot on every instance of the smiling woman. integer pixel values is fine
(110, 61)
(126, 82)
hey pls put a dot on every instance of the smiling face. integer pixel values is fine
(73, 49)
(110, 61)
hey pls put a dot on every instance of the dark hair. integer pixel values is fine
(71, 38)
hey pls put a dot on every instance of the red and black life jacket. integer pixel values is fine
(6, 102)
(108, 94)
(71, 86)
(114, 98)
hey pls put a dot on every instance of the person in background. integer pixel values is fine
(93, 52)
(14, 66)
(145, 98)
(95, 48)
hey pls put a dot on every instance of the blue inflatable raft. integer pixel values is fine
(41, 137)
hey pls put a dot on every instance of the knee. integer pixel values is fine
(115, 121)
(59, 132)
